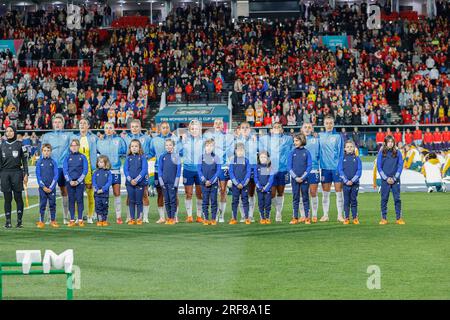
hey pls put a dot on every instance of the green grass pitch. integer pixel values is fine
(278, 261)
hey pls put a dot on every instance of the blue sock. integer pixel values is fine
(132, 210)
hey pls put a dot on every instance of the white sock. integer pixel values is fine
(161, 212)
(199, 207)
(188, 204)
(340, 203)
(301, 207)
(145, 212)
(279, 205)
(222, 208)
(326, 202)
(65, 201)
(251, 207)
(314, 205)
(118, 207)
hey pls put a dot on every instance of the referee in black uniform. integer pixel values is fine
(13, 174)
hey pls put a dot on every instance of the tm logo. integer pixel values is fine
(373, 17)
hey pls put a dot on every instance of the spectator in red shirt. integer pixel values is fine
(437, 140)
(418, 137)
(446, 139)
(409, 137)
(267, 120)
(398, 136)
(407, 117)
(380, 138)
(428, 140)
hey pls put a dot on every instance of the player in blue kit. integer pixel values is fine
(145, 140)
(157, 148)
(59, 140)
(279, 145)
(313, 146)
(331, 151)
(113, 146)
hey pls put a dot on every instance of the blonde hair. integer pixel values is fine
(105, 160)
(77, 142)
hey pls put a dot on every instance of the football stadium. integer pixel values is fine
(232, 150)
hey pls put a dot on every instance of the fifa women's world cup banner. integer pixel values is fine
(331, 42)
(13, 45)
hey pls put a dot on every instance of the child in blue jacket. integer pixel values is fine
(390, 166)
(75, 168)
(169, 171)
(209, 169)
(299, 166)
(240, 171)
(350, 169)
(102, 181)
(47, 177)
(264, 177)
(136, 173)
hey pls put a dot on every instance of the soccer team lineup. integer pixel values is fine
(254, 167)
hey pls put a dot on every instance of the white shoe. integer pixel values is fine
(65, 221)
(278, 218)
(324, 219)
(242, 219)
(221, 219)
(90, 221)
(145, 221)
(161, 220)
(340, 219)
(176, 219)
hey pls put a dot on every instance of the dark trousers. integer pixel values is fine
(135, 196)
(239, 194)
(45, 198)
(76, 194)
(304, 189)
(101, 206)
(386, 188)
(264, 204)
(209, 198)
(351, 200)
(170, 200)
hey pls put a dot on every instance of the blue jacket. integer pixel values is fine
(264, 177)
(158, 146)
(92, 140)
(60, 141)
(313, 146)
(223, 145)
(136, 168)
(389, 167)
(251, 148)
(240, 171)
(209, 168)
(145, 140)
(350, 168)
(102, 179)
(278, 147)
(191, 150)
(75, 167)
(331, 149)
(47, 172)
(299, 163)
(113, 147)
(169, 169)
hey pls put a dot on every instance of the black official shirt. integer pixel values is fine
(13, 156)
